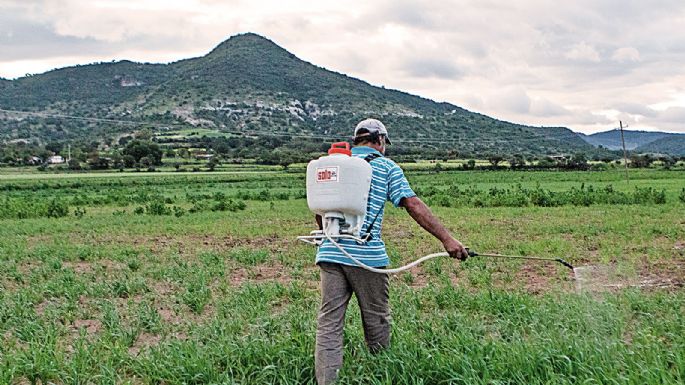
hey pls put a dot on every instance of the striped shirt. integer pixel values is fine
(388, 183)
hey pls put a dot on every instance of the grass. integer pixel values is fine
(231, 297)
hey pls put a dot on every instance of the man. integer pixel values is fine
(340, 276)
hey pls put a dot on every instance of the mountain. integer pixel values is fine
(248, 85)
(639, 141)
(672, 145)
(634, 139)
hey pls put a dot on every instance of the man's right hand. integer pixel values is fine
(455, 249)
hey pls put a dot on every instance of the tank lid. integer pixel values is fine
(340, 148)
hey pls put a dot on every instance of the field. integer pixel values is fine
(196, 278)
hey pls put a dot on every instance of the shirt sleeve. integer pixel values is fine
(398, 186)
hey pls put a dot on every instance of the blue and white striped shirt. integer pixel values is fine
(388, 183)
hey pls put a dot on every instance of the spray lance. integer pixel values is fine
(338, 190)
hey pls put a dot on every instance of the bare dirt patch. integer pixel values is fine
(144, 341)
(191, 243)
(168, 315)
(259, 273)
(538, 278)
(91, 326)
(418, 279)
(163, 288)
(668, 274)
(79, 267)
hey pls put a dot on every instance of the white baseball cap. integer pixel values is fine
(372, 126)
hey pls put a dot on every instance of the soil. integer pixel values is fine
(92, 326)
(259, 273)
(144, 341)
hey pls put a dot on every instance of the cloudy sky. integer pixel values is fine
(582, 64)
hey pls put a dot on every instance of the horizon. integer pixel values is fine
(540, 66)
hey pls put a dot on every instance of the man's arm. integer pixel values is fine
(319, 221)
(425, 218)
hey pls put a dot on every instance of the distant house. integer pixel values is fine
(204, 156)
(34, 160)
(56, 159)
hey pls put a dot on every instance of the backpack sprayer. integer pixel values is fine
(338, 188)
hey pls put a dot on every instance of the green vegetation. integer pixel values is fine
(229, 296)
(522, 197)
(250, 88)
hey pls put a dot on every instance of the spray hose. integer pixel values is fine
(384, 271)
(434, 255)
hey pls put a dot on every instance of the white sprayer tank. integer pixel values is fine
(338, 187)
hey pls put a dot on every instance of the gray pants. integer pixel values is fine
(338, 282)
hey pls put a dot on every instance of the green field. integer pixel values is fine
(196, 278)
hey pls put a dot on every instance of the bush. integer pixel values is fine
(157, 208)
(57, 209)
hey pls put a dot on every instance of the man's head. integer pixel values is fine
(372, 133)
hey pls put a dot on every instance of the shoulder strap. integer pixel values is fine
(372, 156)
(369, 158)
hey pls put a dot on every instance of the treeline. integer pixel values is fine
(145, 151)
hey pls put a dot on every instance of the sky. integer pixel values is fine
(582, 64)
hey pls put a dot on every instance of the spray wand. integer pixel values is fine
(474, 254)
(434, 255)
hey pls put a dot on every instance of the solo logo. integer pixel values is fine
(327, 174)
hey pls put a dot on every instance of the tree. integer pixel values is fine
(668, 162)
(125, 139)
(98, 163)
(183, 153)
(54, 147)
(145, 161)
(212, 163)
(640, 161)
(118, 162)
(129, 161)
(495, 159)
(144, 134)
(140, 149)
(578, 161)
(74, 164)
(517, 161)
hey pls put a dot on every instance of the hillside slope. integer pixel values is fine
(672, 145)
(249, 85)
(612, 139)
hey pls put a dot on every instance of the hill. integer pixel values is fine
(634, 139)
(672, 145)
(249, 86)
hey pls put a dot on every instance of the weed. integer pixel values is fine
(249, 256)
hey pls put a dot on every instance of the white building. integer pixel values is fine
(56, 159)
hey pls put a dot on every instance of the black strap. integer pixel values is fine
(369, 158)
(372, 156)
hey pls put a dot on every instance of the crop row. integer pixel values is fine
(455, 196)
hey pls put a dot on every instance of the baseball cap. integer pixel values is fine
(372, 126)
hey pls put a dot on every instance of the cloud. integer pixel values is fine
(427, 67)
(583, 52)
(511, 99)
(626, 54)
(544, 107)
(636, 109)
